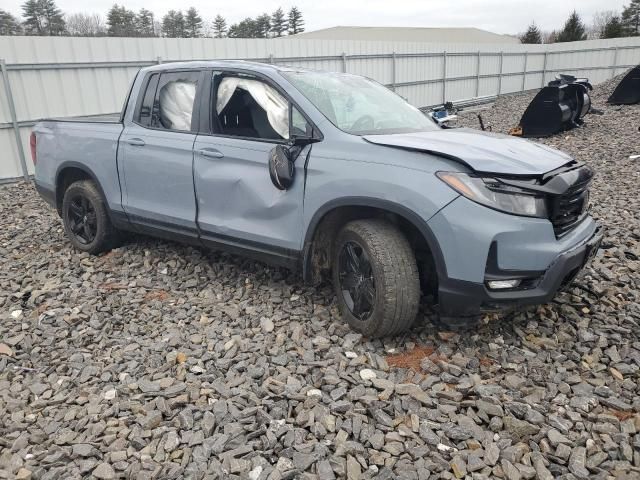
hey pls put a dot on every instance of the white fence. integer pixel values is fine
(51, 76)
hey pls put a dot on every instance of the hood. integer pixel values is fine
(484, 152)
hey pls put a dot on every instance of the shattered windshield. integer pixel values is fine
(358, 105)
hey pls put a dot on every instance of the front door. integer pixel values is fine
(156, 154)
(238, 204)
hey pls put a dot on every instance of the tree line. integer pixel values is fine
(43, 17)
(606, 24)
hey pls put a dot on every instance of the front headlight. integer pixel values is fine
(492, 193)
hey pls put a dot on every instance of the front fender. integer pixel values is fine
(414, 195)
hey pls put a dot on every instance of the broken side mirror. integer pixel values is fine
(281, 167)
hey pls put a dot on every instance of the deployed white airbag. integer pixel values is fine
(274, 104)
(176, 104)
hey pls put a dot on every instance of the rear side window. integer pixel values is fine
(146, 108)
(174, 101)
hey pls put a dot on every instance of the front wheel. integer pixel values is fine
(375, 278)
(85, 218)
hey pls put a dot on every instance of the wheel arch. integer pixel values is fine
(335, 213)
(69, 172)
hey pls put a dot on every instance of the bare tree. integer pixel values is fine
(600, 20)
(549, 36)
(85, 25)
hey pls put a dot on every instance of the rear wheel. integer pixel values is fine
(375, 278)
(85, 218)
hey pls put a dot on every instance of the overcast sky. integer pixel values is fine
(500, 16)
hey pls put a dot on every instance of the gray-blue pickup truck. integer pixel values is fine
(329, 173)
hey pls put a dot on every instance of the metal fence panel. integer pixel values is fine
(62, 76)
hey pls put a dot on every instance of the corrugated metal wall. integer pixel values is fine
(51, 76)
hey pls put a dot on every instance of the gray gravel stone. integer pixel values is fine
(577, 462)
(104, 471)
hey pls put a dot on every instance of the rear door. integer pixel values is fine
(156, 153)
(237, 202)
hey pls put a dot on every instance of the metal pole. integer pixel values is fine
(344, 62)
(478, 76)
(615, 61)
(271, 59)
(14, 119)
(444, 76)
(524, 71)
(544, 68)
(158, 60)
(393, 71)
(500, 74)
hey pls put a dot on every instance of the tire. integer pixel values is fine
(393, 276)
(84, 211)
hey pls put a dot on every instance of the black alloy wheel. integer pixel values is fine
(356, 280)
(82, 218)
(86, 218)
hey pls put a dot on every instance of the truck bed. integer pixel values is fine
(88, 141)
(101, 118)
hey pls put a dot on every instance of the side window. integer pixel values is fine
(174, 101)
(246, 107)
(145, 114)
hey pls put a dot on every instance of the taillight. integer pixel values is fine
(32, 144)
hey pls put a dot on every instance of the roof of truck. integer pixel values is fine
(256, 66)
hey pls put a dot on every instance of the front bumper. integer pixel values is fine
(459, 298)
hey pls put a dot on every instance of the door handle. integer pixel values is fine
(136, 142)
(211, 153)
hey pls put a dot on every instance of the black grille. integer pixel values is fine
(570, 208)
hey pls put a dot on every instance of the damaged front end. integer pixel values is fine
(561, 105)
(526, 262)
(561, 195)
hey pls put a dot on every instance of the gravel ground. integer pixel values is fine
(159, 360)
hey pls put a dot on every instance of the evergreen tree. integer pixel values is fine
(278, 23)
(145, 23)
(122, 22)
(233, 31)
(573, 30)
(193, 23)
(631, 18)
(43, 17)
(613, 28)
(247, 28)
(296, 23)
(532, 35)
(9, 25)
(219, 26)
(173, 24)
(32, 21)
(263, 26)
(114, 20)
